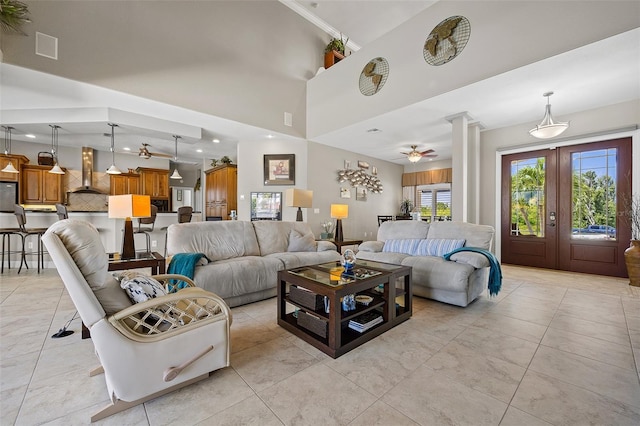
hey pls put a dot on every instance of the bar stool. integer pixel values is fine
(184, 215)
(151, 220)
(25, 233)
(61, 209)
(6, 237)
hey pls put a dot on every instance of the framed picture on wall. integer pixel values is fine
(361, 194)
(280, 169)
(345, 193)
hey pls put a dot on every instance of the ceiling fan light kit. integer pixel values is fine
(548, 128)
(414, 155)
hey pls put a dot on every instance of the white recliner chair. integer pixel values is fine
(145, 349)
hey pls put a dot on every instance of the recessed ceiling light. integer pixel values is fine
(216, 141)
(126, 148)
(270, 136)
(374, 130)
(198, 150)
(30, 136)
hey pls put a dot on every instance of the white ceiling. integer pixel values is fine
(582, 79)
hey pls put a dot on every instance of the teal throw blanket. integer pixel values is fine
(182, 264)
(495, 272)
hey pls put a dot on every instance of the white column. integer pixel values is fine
(473, 175)
(460, 165)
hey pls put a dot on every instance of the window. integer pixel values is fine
(435, 202)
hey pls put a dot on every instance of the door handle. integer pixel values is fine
(552, 219)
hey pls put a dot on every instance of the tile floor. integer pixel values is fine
(553, 348)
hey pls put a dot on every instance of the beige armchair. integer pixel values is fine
(145, 349)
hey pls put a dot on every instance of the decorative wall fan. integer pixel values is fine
(414, 155)
(146, 154)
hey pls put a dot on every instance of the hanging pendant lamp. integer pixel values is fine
(113, 170)
(7, 149)
(548, 128)
(176, 174)
(54, 150)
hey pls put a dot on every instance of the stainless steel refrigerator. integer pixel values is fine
(8, 196)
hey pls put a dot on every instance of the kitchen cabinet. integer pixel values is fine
(221, 187)
(38, 186)
(155, 182)
(17, 161)
(126, 183)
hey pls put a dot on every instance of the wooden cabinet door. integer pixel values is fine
(52, 187)
(221, 186)
(133, 185)
(32, 192)
(162, 185)
(148, 184)
(118, 185)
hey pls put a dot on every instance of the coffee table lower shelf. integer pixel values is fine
(350, 339)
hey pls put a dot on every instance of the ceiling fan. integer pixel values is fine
(414, 155)
(146, 154)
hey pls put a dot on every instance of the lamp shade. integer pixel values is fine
(128, 206)
(339, 211)
(299, 197)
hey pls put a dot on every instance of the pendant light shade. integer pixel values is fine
(7, 149)
(54, 150)
(176, 174)
(113, 170)
(548, 128)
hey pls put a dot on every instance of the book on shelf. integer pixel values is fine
(364, 322)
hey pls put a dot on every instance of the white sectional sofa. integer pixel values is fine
(245, 257)
(459, 281)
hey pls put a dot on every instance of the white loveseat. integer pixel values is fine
(458, 281)
(245, 257)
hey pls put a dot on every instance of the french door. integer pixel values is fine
(560, 207)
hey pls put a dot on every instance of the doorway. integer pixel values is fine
(560, 207)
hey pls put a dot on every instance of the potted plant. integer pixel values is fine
(406, 206)
(225, 160)
(631, 215)
(327, 230)
(13, 14)
(334, 51)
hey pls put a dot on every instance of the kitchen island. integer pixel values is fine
(110, 230)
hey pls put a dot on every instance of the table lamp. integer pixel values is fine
(299, 198)
(126, 207)
(339, 212)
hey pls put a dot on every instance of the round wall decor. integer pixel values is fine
(447, 40)
(373, 76)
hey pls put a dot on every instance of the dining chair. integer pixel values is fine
(61, 210)
(147, 230)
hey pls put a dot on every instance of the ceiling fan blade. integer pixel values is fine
(159, 154)
(430, 155)
(429, 151)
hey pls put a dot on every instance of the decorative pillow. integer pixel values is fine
(406, 246)
(437, 246)
(299, 242)
(140, 287)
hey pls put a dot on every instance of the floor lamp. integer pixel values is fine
(126, 207)
(339, 212)
(299, 198)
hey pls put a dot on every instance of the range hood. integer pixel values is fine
(87, 174)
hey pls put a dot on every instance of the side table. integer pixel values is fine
(340, 244)
(153, 260)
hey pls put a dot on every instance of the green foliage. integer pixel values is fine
(13, 14)
(336, 44)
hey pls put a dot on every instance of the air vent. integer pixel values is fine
(46, 46)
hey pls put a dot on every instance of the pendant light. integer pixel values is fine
(176, 174)
(54, 150)
(113, 170)
(548, 128)
(7, 149)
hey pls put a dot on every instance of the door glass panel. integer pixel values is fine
(528, 197)
(593, 211)
(443, 205)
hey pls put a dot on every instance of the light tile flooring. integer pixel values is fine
(552, 348)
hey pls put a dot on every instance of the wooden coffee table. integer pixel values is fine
(389, 287)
